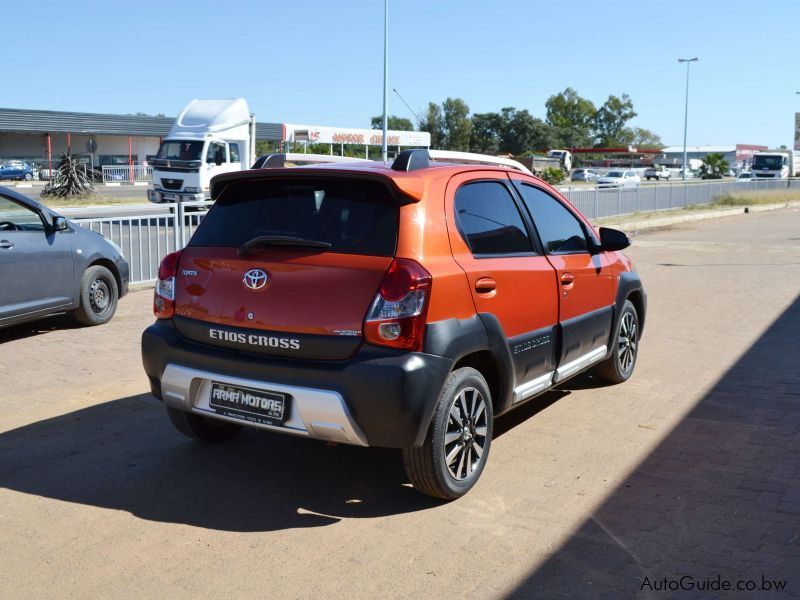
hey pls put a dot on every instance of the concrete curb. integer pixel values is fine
(659, 222)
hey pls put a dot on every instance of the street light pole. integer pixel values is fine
(384, 147)
(685, 112)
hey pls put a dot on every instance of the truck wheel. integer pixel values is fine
(200, 428)
(619, 366)
(457, 446)
(98, 297)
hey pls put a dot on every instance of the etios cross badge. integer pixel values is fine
(255, 279)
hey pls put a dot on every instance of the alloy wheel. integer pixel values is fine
(465, 438)
(626, 347)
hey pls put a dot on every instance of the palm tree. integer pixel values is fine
(714, 166)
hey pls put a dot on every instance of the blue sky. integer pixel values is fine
(320, 62)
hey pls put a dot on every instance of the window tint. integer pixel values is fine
(560, 231)
(354, 216)
(15, 217)
(234, 148)
(489, 219)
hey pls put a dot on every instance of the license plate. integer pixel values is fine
(168, 196)
(248, 404)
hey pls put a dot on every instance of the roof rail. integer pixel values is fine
(411, 160)
(276, 161)
(471, 158)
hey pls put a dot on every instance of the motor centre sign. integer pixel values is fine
(365, 137)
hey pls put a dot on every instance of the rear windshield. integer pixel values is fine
(354, 216)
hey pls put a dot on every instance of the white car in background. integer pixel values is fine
(619, 179)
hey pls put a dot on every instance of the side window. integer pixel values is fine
(560, 230)
(234, 148)
(489, 219)
(216, 149)
(15, 217)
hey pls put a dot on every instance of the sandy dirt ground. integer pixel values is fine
(690, 468)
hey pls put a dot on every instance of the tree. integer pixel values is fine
(433, 123)
(393, 122)
(610, 121)
(644, 138)
(71, 179)
(510, 131)
(571, 118)
(524, 132)
(714, 165)
(487, 133)
(457, 124)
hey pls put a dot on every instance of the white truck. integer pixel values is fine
(209, 137)
(775, 164)
(657, 172)
(564, 157)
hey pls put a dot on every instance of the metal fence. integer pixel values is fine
(127, 173)
(146, 237)
(596, 203)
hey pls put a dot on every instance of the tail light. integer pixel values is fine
(164, 297)
(396, 317)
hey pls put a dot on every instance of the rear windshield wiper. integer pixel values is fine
(280, 240)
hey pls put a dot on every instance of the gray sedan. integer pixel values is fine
(50, 265)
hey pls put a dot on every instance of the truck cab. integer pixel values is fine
(774, 165)
(210, 137)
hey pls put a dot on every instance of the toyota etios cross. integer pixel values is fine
(401, 306)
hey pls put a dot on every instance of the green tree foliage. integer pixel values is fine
(714, 166)
(487, 133)
(457, 124)
(552, 175)
(510, 131)
(644, 138)
(610, 122)
(433, 123)
(393, 122)
(572, 119)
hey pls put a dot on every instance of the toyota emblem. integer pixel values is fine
(255, 279)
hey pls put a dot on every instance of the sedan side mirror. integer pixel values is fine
(613, 239)
(60, 223)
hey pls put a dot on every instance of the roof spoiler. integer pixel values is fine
(411, 160)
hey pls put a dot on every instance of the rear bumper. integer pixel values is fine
(378, 397)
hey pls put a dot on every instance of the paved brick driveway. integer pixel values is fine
(691, 468)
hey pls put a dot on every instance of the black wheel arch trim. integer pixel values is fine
(457, 339)
(629, 286)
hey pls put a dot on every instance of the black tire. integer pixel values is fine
(427, 466)
(201, 428)
(28, 176)
(98, 297)
(619, 366)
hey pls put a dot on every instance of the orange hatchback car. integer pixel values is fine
(403, 306)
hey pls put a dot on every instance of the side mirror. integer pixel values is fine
(60, 223)
(613, 239)
(218, 157)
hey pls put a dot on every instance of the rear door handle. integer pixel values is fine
(485, 285)
(567, 279)
(5, 244)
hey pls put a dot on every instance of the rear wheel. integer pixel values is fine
(98, 297)
(201, 428)
(457, 447)
(619, 366)
(28, 176)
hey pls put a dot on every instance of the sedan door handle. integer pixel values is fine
(486, 285)
(5, 244)
(567, 279)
